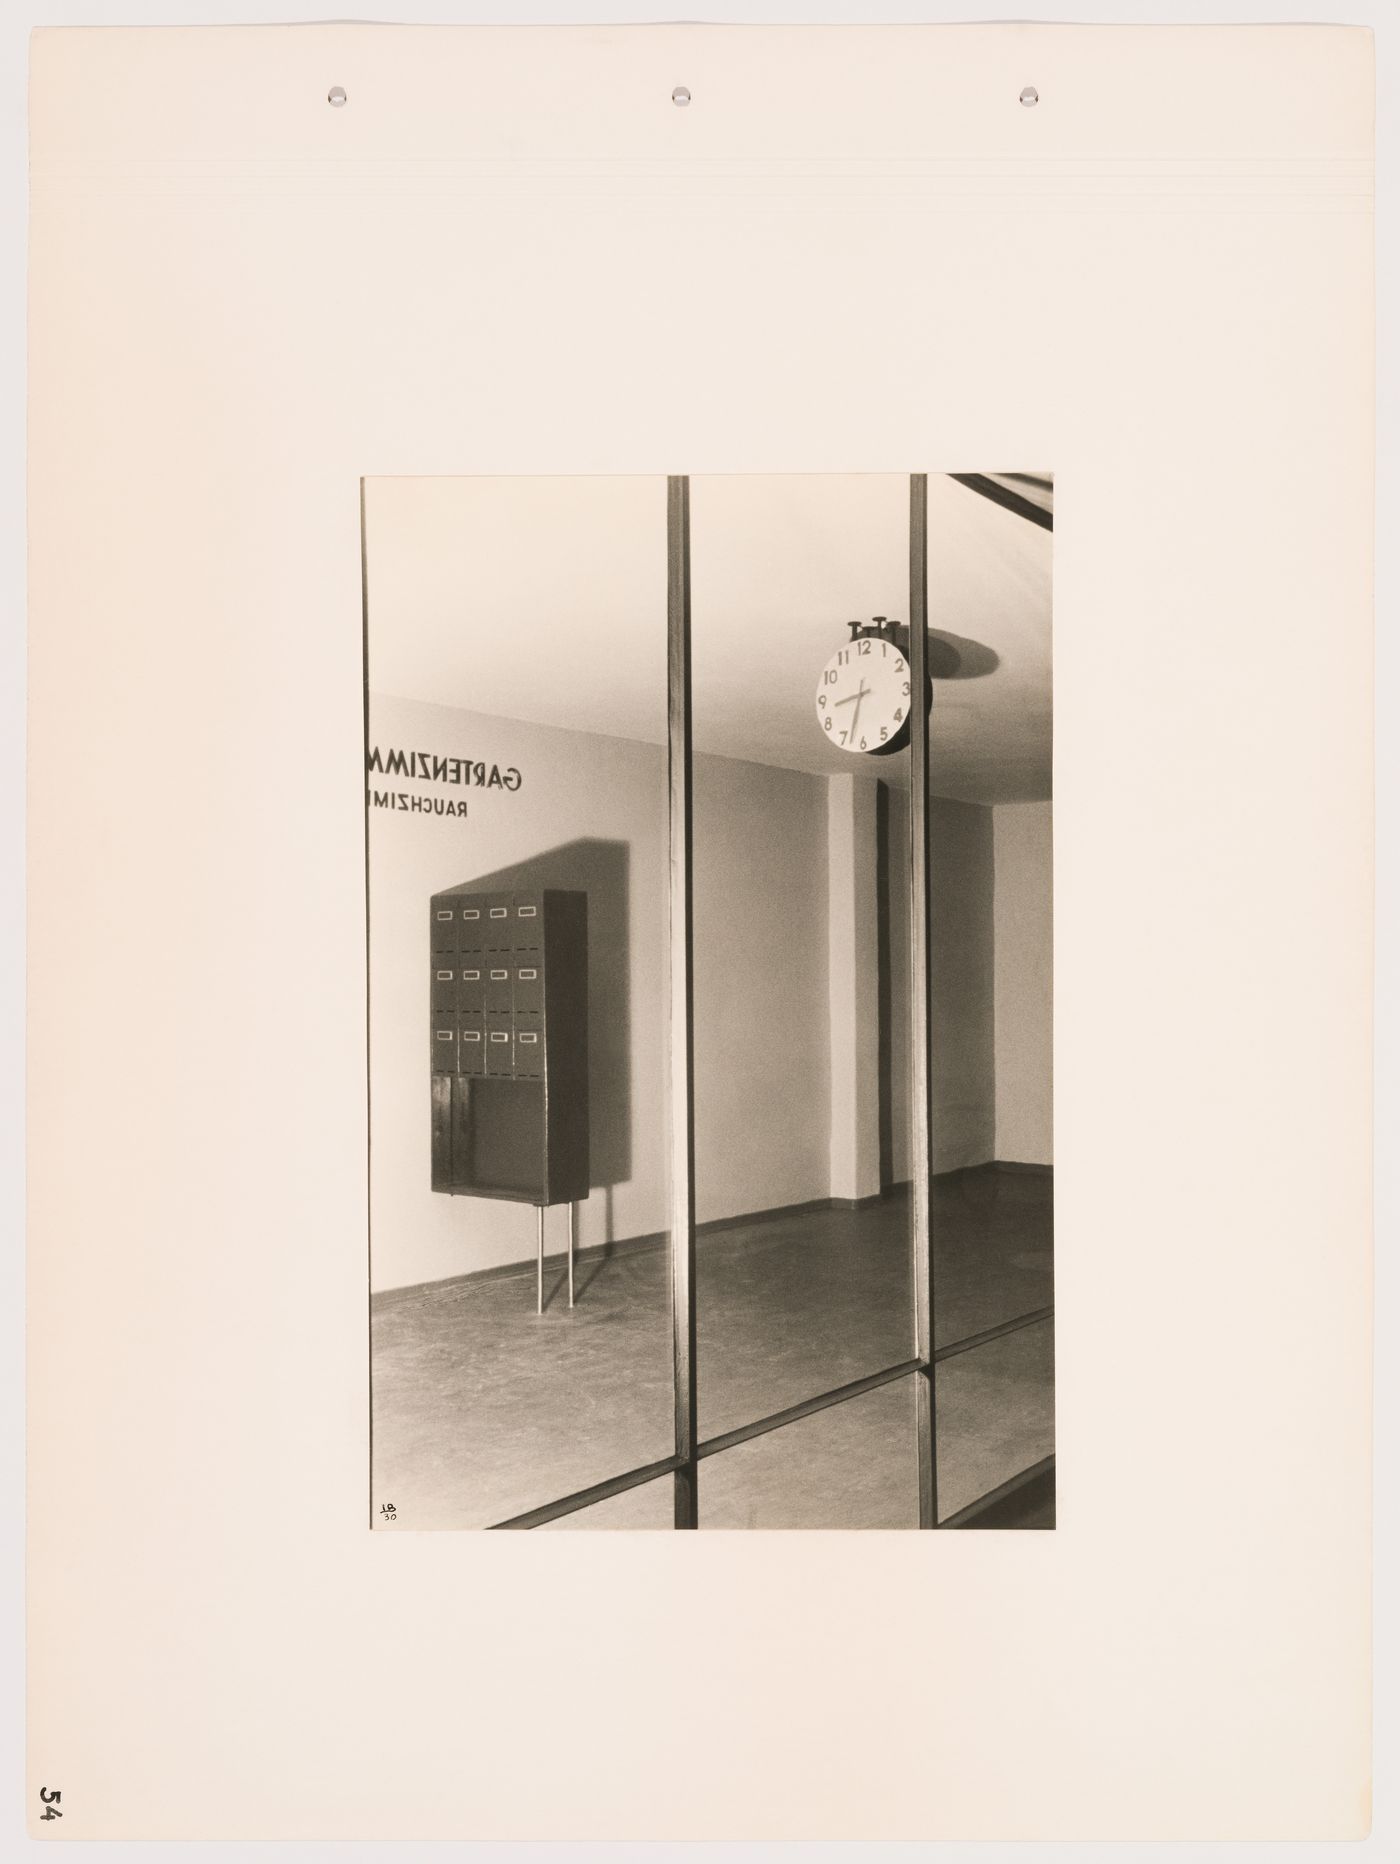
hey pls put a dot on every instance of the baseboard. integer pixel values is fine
(888, 1194)
(656, 1239)
(1030, 1492)
(633, 1245)
(772, 1215)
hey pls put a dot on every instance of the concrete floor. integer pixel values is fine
(483, 1409)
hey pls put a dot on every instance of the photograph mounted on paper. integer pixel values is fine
(708, 866)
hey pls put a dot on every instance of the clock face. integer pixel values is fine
(863, 696)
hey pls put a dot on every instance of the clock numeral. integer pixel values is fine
(829, 679)
(884, 733)
(864, 649)
(844, 736)
(900, 713)
(821, 698)
(906, 689)
(826, 724)
(844, 656)
(862, 744)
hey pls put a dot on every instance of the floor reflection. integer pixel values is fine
(483, 1410)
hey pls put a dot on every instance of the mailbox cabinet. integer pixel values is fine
(508, 1043)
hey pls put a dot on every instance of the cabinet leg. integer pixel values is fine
(539, 1258)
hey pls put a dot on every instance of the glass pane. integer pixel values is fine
(803, 1269)
(993, 1249)
(996, 1414)
(651, 1506)
(850, 1465)
(517, 810)
(990, 753)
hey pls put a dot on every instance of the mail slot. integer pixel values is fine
(498, 1047)
(444, 988)
(527, 925)
(495, 921)
(471, 992)
(529, 1054)
(473, 1058)
(444, 1045)
(498, 991)
(443, 929)
(529, 988)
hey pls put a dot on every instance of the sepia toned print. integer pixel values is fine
(710, 1001)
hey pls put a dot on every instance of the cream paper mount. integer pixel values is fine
(854, 250)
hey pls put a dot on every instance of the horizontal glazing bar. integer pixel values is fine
(1005, 496)
(745, 1432)
(954, 1347)
(585, 1498)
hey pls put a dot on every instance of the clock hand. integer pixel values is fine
(855, 716)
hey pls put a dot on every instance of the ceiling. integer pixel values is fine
(545, 600)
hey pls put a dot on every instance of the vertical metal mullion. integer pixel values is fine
(682, 1175)
(920, 997)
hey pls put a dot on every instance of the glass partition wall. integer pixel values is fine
(518, 931)
(800, 700)
(838, 1310)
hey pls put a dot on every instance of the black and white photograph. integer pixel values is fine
(709, 854)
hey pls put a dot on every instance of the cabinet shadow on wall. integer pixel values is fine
(600, 870)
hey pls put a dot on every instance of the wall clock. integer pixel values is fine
(863, 693)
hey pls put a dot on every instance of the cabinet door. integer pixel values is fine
(472, 1053)
(471, 927)
(529, 988)
(529, 1049)
(442, 1132)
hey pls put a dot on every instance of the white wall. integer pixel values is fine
(853, 982)
(591, 813)
(961, 984)
(762, 1029)
(1022, 840)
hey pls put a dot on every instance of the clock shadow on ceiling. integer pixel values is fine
(954, 657)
